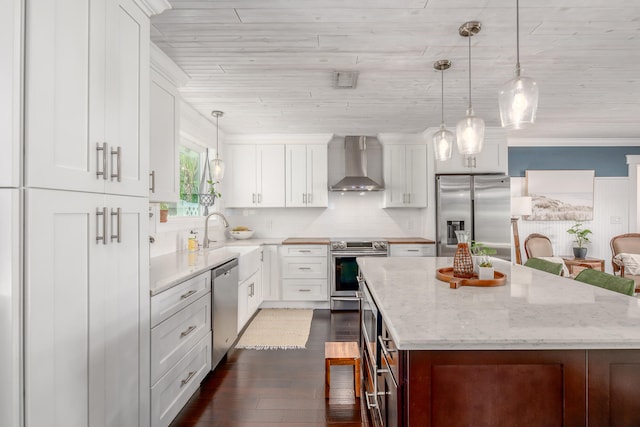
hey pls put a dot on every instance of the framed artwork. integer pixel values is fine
(560, 194)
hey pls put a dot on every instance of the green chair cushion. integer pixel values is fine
(607, 281)
(544, 265)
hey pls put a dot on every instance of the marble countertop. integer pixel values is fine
(306, 241)
(409, 240)
(168, 270)
(534, 310)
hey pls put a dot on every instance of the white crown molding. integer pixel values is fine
(573, 142)
(633, 159)
(279, 138)
(165, 66)
(153, 7)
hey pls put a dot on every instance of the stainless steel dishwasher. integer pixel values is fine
(225, 309)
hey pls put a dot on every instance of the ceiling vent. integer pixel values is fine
(345, 79)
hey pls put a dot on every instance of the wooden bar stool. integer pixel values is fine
(341, 353)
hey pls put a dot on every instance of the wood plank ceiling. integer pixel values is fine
(269, 64)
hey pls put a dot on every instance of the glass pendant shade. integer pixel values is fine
(470, 134)
(518, 100)
(443, 143)
(217, 169)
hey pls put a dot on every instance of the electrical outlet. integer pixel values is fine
(615, 220)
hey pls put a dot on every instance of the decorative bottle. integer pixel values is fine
(462, 260)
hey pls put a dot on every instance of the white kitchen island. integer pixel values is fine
(540, 350)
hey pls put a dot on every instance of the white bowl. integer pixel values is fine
(241, 235)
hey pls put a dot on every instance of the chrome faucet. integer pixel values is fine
(205, 240)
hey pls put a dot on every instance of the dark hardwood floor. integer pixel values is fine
(281, 387)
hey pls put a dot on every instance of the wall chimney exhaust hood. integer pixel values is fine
(356, 178)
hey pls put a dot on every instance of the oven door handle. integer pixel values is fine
(357, 254)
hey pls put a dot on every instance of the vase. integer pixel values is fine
(462, 260)
(580, 253)
(485, 273)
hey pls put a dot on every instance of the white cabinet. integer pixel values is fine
(249, 298)
(87, 96)
(305, 273)
(405, 176)
(181, 344)
(255, 176)
(493, 157)
(86, 309)
(271, 286)
(306, 176)
(10, 91)
(164, 140)
(412, 250)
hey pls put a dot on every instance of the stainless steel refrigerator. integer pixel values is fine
(480, 204)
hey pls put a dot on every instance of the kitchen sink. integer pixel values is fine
(248, 259)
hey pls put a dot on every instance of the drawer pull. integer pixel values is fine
(304, 268)
(188, 294)
(186, 380)
(413, 250)
(304, 290)
(188, 331)
(305, 251)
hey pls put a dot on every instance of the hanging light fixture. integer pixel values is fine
(442, 139)
(518, 98)
(217, 165)
(470, 130)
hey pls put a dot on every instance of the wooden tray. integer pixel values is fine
(446, 275)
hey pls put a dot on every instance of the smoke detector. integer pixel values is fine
(345, 79)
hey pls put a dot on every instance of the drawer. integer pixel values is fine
(172, 392)
(298, 250)
(412, 250)
(305, 290)
(174, 337)
(173, 300)
(304, 267)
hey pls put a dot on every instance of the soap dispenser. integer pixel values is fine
(192, 244)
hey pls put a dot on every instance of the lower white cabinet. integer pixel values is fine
(181, 342)
(414, 250)
(271, 278)
(305, 273)
(249, 298)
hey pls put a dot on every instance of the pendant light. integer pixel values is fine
(442, 139)
(470, 130)
(217, 165)
(518, 98)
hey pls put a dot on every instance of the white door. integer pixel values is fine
(271, 181)
(416, 181)
(296, 176)
(395, 176)
(241, 176)
(64, 86)
(164, 140)
(127, 98)
(317, 175)
(10, 308)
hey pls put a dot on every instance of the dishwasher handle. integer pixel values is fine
(225, 268)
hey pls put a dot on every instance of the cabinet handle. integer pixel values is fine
(375, 398)
(304, 198)
(383, 344)
(118, 215)
(259, 197)
(253, 197)
(188, 294)
(305, 251)
(309, 198)
(102, 172)
(409, 198)
(101, 213)
(186, 380)
(413, 250)
(153, 181)
(304, 290)
(188, 331)
(304, 268)
(251, 286)
(118, 153)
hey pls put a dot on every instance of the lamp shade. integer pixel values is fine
(470, 134)
(518, 100)
(443, 143)
(521, 206)
(217, 169)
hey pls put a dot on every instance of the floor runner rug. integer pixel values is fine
(274, 329)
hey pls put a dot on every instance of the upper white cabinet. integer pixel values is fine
(405, 176)
(306, 176)
(10, 91)
(87, 310)
(164, 140)
(255, 176)
(492, 158)
(87, 96)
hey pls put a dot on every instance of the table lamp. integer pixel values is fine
(520, 206)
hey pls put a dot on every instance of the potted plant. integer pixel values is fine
(164, 212)
(485, 266)
(581, 236)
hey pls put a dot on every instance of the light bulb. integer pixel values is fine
(443, 143)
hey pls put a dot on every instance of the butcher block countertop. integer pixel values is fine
(409, 241)
(306, 241)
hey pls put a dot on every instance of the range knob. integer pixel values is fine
(339, 245)
(380, 245)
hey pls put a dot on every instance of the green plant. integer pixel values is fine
(483, 251)
(164, 207)
(212, 188)
(580, 234)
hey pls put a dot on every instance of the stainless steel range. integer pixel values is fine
(344, 269)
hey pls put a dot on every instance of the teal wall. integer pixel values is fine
(606, 161)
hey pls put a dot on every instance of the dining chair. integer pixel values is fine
(625, 244)
(544, 265)
(538, 245)
(607, 281)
